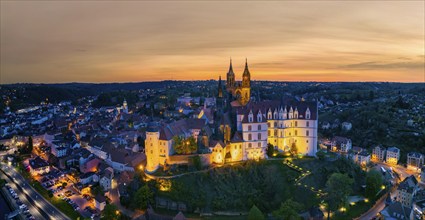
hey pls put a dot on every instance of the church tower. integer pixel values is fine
(220, 100)
(230, 83)
(220, 88)
(246, 86)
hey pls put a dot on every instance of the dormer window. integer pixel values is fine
(307, 113)
(259, 117)
(291, 113)
(269, 114)
(280, 113)
(275, 114)
(250, 117)
(296, 113)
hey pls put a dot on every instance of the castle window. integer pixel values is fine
(296, 132)
(269, 115)
(259, 127)
(249, 127)
(308, 124)
(240, 146)
(249, 137)
(151, 151)
(307, 133)
(250, 118)
(259, 144)
(268, 124)
(249, 145)
(268, 133)
(275, 132)
(275, 115)
(306, 141)
(259, 118)
(275, 124)
(259, 136)
(296, 124)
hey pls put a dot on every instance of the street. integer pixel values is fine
(45, 209)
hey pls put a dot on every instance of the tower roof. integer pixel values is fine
(230, 68)
(246, 71)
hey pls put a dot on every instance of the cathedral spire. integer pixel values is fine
(231, 67)
(220, 88)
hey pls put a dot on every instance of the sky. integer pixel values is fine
(133, 41)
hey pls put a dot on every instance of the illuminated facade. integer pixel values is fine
(242, 131)
(240, 91)
(393, 155)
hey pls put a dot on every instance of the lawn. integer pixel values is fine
(239, 186)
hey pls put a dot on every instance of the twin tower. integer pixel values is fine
(239, 90)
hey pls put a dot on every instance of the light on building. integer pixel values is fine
(366, 200)
(382, 187)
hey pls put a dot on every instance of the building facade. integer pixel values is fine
(244, 131)
(378, 154)
(415, 160)
(393, 155)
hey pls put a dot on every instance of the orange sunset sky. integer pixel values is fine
(132, 41)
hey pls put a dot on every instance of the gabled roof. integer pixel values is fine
(409, 184)
(397, 211)
(180, 127)
(284, 104)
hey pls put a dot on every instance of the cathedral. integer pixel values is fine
(240, 91)
(241, 130)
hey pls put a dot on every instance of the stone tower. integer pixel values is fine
(245, 93)
(230, 83)
(151, 149)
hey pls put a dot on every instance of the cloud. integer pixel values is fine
(383, 66)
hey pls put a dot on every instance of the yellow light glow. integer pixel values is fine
(382, 187)
(366, 200)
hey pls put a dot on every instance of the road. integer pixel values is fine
(380, 204)
(45, 208)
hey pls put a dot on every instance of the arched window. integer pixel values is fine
(307, 133)
(296, 132)
(296, 123)
(259, 127)
(249, 137)
(249, 127)
(308, 124)
(259, 136)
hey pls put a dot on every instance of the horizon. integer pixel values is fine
(121, 42)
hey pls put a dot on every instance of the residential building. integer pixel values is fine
(99, 202)
(378, 154)
(341, 144)
(393, 155)
(415, 160)
(397, 211)
(406, 191)
(38, 166)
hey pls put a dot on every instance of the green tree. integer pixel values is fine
(338, 188)
(111, 212)
(288, 210)
(321, 155)
(270, 150)
(294, 149)
(185, 146)
(142, 197)
(196, 162)
(373, 183)
(255, 214)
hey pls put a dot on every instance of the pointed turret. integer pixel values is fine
(220, 88)
(246, 77)
(230, 77)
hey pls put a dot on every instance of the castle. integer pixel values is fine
(242, 128)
